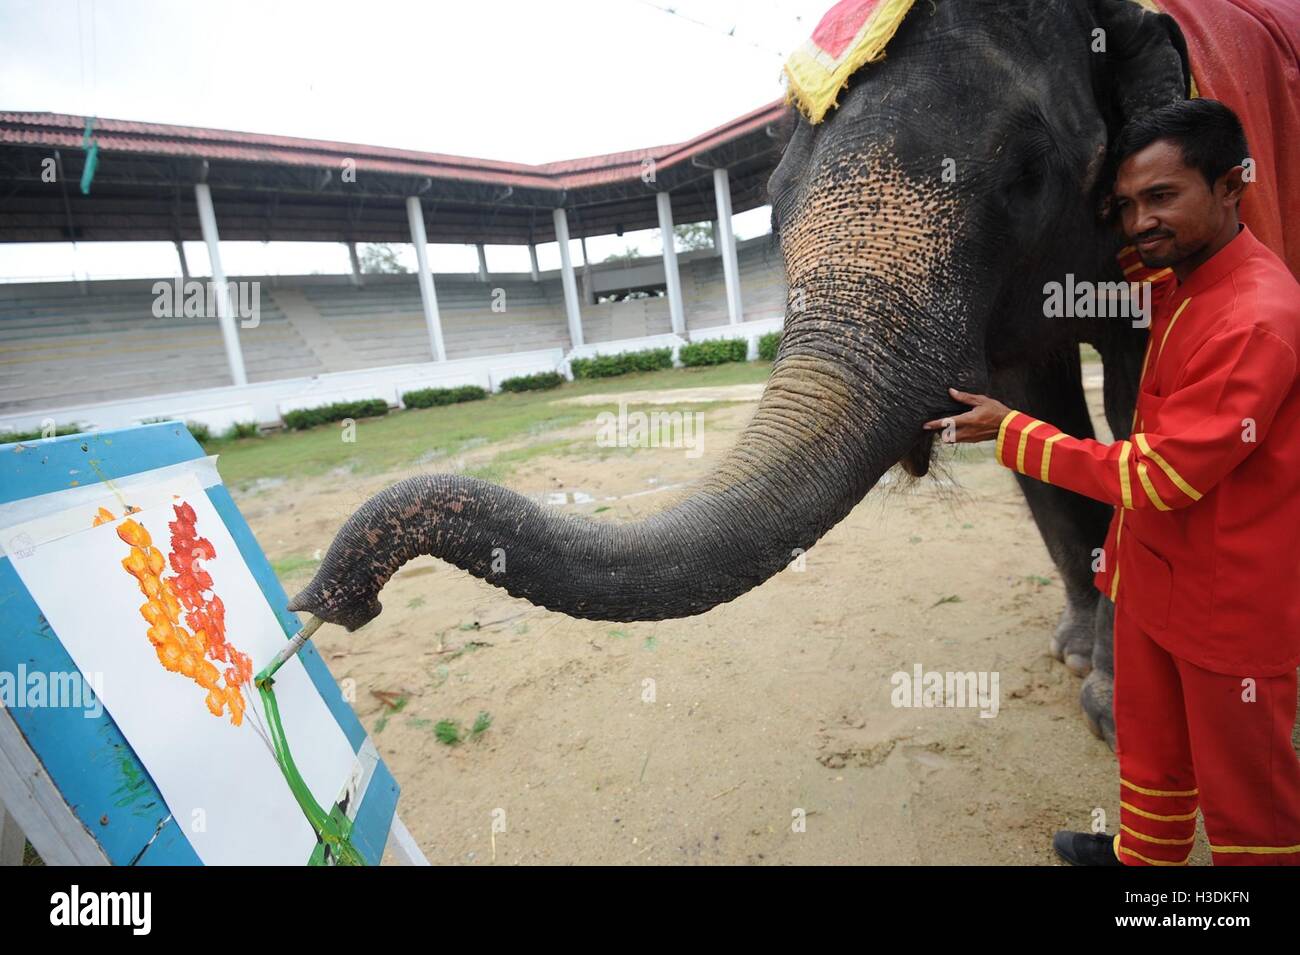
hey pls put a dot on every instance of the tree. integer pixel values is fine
(693, 235)
(380, 257)
(627, 255)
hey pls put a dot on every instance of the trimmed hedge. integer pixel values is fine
(436, 397)
(541, 381)
(768, 346)
(242, 429)
(201, 432)
(310, 417)
(7, 437)
(713, 352)
(607, 366)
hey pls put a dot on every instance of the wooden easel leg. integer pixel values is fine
(404, 845)
(11, 840)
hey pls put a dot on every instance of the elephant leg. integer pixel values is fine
(1072, 526)
(1121, 357)
(1098, 689)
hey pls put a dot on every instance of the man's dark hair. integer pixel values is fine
(1208, 133)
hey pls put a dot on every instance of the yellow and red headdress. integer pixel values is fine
(851, 34)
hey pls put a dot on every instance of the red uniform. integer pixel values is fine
(1203, 561)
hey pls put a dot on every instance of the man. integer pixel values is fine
(1203, 555)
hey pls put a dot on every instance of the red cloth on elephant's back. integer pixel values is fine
(1244, 53)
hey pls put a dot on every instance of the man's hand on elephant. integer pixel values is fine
(979, 424)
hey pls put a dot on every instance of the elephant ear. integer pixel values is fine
(1146, 58)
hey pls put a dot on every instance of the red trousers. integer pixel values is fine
(1188, 738)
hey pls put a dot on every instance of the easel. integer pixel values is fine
(72, 784)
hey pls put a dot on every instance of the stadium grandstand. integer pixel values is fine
(96, 353)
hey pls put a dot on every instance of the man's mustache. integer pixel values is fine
(1152, 235)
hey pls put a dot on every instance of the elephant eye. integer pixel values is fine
(1028, 181)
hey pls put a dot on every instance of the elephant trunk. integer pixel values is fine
(862, 363)
(799, 467)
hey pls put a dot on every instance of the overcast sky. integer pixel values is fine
(500, 79)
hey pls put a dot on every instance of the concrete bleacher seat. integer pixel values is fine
(385, 322)
(67, 343)
(59, 346)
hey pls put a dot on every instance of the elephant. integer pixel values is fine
(903, 282)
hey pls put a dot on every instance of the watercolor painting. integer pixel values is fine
(168, 615)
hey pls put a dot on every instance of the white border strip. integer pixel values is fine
(33, 521)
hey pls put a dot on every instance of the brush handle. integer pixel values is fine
(292, 647)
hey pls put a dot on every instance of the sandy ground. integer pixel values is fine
(711, 739)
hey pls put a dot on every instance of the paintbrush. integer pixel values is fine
(296, 643)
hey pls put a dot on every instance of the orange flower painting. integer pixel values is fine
(194, 649)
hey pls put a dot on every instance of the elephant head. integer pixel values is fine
(917, 223)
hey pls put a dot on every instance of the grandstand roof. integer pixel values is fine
(281, 188)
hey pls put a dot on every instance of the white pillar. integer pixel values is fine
(671, 278)
(225, 314)
(356, 265)
(532, 262)
(730, 268)
(566, 277)
(588, 289)
(482, 262)
(185, 265)
(428, 296)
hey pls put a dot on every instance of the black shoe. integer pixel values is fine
(1085, 848)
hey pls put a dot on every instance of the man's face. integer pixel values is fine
(1166, 208)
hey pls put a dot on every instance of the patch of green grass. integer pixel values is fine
(287, 566)
(448, 732)
(402, 437)
(396, 707)
(618, 633)
(950, 599)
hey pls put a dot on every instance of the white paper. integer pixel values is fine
(220, 781)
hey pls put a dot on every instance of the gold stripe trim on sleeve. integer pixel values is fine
(1002, 434)
(1149, 487)
(1024, 442)
(1047, 456)
(1145, 447)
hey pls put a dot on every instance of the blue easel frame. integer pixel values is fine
(89, 760)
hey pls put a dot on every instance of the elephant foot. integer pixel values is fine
(1096, 698)
(1073, 641)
